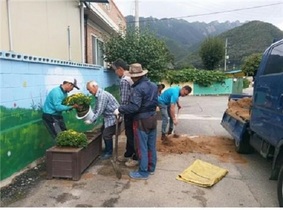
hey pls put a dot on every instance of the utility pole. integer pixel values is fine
(137, 14)
(225, 56)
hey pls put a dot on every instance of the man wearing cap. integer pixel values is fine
(143, 104)
(126, 83)
(52, 109)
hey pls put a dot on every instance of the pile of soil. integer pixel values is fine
(240, 108)
(223, 148)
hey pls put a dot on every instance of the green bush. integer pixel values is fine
(71, 138)
(246, 83)
(200, 77)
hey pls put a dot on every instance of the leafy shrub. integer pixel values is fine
(246, 83)
(200, 77)
(71, 138)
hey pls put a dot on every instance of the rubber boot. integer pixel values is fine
(170, 131)
(163, 136)
(108, 149)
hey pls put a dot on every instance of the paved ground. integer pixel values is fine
(245, 185)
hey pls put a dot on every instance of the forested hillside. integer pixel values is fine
(184, 39)
(180, 35)
(252, 37)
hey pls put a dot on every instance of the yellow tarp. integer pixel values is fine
(202, 174)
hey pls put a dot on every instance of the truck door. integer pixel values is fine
(267, 110)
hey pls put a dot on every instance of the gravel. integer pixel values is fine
(22, 184)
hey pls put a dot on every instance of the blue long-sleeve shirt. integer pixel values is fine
(53, 102)
(143, 101)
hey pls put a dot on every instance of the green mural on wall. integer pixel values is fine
(25, 126)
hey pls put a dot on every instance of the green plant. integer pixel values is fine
(81, 99)
(77, 98)
(246, 83)
(71, 138)
(200, 77)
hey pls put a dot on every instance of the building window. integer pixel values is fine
(97, 54)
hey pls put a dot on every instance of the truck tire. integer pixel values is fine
(243, 147)
(280, 187)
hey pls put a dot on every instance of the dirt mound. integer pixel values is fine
(222, 147)
(240, 107)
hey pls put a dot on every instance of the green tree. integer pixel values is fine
(211, 52)
(141, 47)
(251, 64)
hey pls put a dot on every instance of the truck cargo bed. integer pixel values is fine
(235, 125)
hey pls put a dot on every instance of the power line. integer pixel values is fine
(213, 13)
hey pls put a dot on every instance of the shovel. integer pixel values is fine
(167, 140)
(175, 135)
(115, 155)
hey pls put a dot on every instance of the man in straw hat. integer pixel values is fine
(143, 104)
(52, 109)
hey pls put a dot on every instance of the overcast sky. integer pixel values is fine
(270, 11)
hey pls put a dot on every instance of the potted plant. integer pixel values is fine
(73, 153)
(71, 138)
(80, 99)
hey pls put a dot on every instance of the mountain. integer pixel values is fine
(184, 38)
(180, 35)
(252, 37)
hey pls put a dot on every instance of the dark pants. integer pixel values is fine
(54, 124)
(130, 145)
(107, 135)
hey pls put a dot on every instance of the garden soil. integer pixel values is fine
(221, 147)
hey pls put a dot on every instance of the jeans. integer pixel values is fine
(165, 113)
(145, 139)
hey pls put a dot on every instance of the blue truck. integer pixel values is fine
(262, 130)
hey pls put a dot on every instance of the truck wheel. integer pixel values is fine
(280, 187)
(243, 147)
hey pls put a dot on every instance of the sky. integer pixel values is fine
(270, 11)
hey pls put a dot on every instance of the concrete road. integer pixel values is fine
(245, 185)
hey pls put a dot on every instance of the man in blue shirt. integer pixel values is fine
(52, 109)
(167, 102)
(105, 105)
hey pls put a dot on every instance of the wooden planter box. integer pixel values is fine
(69, 162)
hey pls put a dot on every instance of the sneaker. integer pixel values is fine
(151, 172)
(122, 158)
(105, 156)
(163, 137)
(132, 163)
(137, 175)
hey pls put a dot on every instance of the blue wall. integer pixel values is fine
(25, 83)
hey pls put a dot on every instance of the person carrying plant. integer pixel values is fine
(143, 104)
(105, 105)
(130, 158)
(52, 109)
(167, 102)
